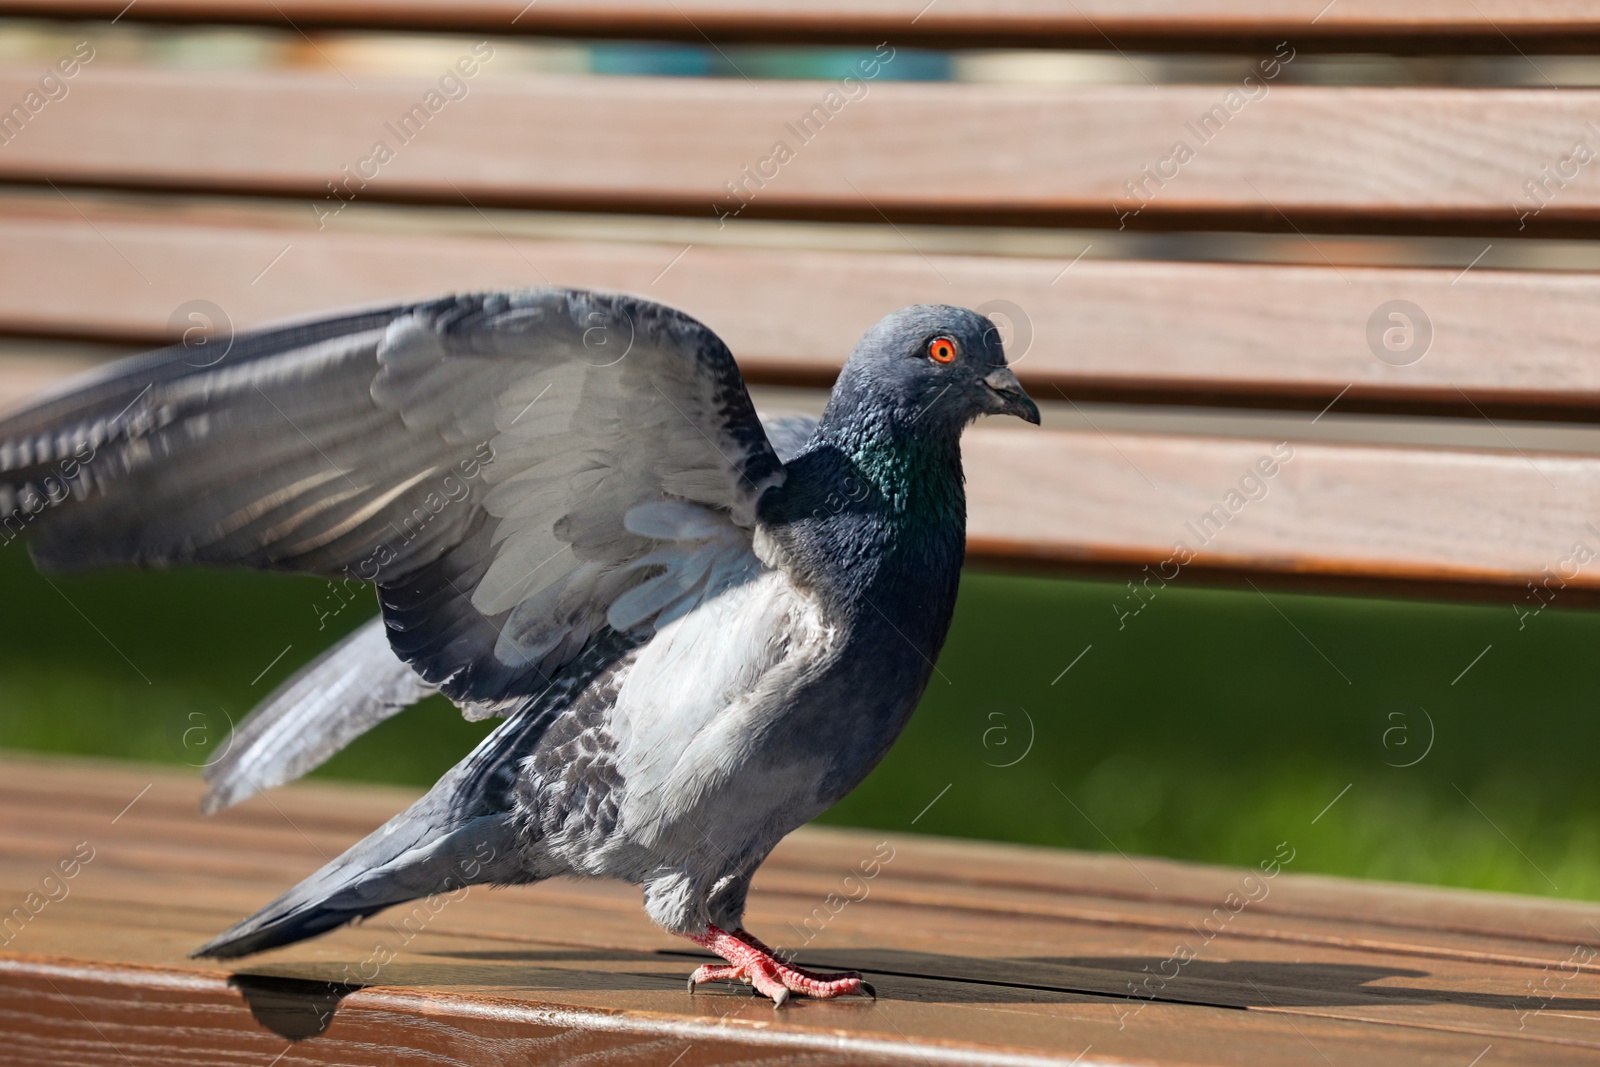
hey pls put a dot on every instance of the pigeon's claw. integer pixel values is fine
(712, 973)
(751, 961)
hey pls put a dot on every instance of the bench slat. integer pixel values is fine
(1374, 517)
(1381, 519)
(1563, 25)
(1334, 158)
(335, 813)
(1502, 341)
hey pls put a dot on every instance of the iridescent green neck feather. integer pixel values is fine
(917, 476)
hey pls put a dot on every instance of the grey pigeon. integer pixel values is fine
(700, 632)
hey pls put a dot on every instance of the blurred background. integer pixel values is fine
(1212, 725)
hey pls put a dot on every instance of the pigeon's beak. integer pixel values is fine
(1007, 397)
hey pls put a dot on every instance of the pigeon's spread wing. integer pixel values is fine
(515, 471)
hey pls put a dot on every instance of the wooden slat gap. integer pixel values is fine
(1561, 221)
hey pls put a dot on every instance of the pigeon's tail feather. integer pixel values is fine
(461, 833)
(402, 861)
(347, 691)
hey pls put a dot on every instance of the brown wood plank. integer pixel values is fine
(1301, 157)
(103, 1013)
(1041, 930)
(71, 1013)
(1564, 25)
(228, 876)
(576, 967)
(1384, 519)
(1054, 939)
(1370, 515)
(1503, 342)
(332, 815)
(1060, 959)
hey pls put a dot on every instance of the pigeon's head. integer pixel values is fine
(935, 367)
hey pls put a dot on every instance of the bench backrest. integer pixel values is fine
(141, 200)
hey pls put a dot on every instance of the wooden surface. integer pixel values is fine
(981, 954)
(1491, 25)
(1503, 342)
(1310, 158)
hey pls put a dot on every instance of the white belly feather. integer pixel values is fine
(700, 695)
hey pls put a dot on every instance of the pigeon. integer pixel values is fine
(699, 630)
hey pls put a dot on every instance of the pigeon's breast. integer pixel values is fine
(695, 718)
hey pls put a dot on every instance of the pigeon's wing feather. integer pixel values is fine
(339, 696)
(515, 471)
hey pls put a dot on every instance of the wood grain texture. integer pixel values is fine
(1297, 157)
(1562, 25)
(1502, 342)
(983, 954)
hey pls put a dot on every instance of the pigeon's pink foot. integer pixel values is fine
(751, 961)
(824, 977)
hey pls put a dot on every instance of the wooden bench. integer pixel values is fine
(1257, 272)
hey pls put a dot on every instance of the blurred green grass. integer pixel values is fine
(1212, 726)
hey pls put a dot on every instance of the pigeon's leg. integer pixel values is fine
(758, 965)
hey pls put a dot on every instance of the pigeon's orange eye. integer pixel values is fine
(942, 350)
